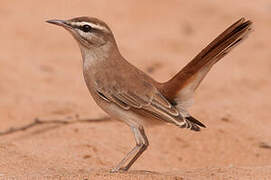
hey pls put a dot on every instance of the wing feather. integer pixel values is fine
(152, 101)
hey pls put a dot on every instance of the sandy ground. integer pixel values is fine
(41, 76)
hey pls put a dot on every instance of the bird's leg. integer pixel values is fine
(141, 145)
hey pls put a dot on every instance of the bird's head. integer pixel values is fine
(89, 32)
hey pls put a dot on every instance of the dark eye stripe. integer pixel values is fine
(86, 28)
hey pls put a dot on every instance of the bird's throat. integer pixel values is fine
(96, 55)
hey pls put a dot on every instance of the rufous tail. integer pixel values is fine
(185, 82)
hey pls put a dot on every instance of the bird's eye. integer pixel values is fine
(86, 28)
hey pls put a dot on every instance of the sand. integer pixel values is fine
(41, 77)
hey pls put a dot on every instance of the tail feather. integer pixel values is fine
(180, 89)
(182, 86)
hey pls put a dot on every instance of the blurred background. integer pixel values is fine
(41, 76)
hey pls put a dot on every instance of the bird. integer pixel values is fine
(128, 94)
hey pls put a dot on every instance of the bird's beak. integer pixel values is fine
(62, 23)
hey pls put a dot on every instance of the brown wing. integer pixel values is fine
(151, 101)
(182, 86)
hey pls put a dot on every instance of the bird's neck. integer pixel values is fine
(98, 55)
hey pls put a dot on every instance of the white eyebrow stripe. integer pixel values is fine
(95, 26)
